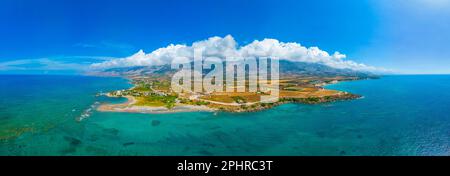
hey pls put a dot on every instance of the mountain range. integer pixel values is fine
(286, 68)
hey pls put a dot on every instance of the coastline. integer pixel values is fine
(131, 108)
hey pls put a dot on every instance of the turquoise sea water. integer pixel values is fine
(399, 115)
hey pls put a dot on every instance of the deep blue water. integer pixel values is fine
(399, 115)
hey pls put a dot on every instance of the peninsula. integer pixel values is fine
(154, 95)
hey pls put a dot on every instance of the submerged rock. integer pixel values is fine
(72, 141)
(128, 143)
(156, 122)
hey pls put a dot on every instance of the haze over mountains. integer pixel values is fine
(286, 68)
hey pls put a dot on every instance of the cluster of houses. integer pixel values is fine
(120, 93)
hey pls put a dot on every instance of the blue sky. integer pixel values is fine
(50, 36)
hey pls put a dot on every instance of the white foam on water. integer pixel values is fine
(87, 113)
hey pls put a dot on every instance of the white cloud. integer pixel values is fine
(228, 47)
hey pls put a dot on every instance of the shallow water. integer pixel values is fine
(399, 115)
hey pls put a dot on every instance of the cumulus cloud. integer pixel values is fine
(223, 47)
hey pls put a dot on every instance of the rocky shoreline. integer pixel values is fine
(312, 100)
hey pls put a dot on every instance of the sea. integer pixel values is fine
(399, 115)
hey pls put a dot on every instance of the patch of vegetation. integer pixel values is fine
(267, 105)
(191, 102)
(158, 100)
(161, 85)
(185, 101)
(143, 101)
(312, 100)
(199, 103)
(293, 88)
(142, 87)
(169, 101)
(239, 99)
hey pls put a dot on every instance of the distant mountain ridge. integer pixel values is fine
(286, 68)
(316, 69)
